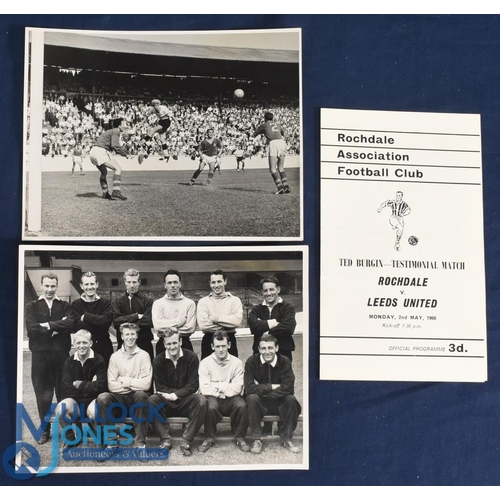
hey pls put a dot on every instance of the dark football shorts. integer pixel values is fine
(165, 124)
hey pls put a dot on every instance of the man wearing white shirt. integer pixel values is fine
(221, 382)
(165, 118)
(173, 313)
(220, 310)
(129, 378)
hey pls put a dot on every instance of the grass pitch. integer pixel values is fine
(162, 204)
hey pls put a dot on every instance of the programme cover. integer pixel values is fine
(402, 253)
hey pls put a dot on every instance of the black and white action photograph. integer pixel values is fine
(162, 135)
(165, 359)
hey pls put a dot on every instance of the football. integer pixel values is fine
(413, 240)
(239, 94)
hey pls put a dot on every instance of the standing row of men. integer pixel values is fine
(49, 322)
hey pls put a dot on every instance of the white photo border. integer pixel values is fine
(163, 253)
(32, 125)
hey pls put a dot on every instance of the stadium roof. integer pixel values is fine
(148, 262)
(146, 255)
(154, 47)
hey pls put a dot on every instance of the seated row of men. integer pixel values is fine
(50, 321)
(220, 385)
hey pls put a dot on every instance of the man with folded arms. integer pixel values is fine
(49, 325)
(269, 389)
(273, 316)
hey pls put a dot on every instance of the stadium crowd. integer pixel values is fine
(66, 124)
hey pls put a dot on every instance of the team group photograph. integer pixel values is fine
(196, 354)
(163, 135)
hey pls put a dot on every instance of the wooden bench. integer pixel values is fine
(180, 421)
(225, 420)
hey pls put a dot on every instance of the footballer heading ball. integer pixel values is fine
(238, 93)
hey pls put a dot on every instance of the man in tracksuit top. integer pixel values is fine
(95, 314)
(134, 306)
(269, 388)
(49, 324)
(220, 310)
(175, 372)
(273, 316)
(221, 382)
(129, 378)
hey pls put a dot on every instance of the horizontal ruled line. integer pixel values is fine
(412, 182)
(397, 338)
(397, 164)
(401, 355)
(383, 146)
(401, 132)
